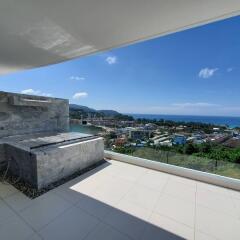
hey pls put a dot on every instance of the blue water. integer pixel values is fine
(230, 121)
(85, 129)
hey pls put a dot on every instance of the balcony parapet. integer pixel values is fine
(210, 178)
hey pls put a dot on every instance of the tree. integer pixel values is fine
(205, 147)
(190, 149)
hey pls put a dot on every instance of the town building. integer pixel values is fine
(179, 139)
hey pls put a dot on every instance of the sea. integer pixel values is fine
(218, 120)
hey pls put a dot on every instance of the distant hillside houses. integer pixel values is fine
(83, 112)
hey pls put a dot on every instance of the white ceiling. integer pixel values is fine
(35, 33)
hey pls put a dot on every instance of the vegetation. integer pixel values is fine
(220, 167)
(205, 157)
(207, 150)
(123, 117)
(125, 150)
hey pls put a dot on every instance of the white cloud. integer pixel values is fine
(30, 91)
(79, 95)
(207, 72)
(77, 78)
(229, 69)
(111, 60)
(198, 104)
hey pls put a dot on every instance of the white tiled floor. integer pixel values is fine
(123, 202)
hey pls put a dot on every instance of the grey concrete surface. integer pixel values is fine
(24, 114)
(57, 162)
(41, 160)
(35, 144)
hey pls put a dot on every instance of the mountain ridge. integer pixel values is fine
(106, 112)
(78, 111)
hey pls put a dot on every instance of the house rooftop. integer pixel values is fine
(122, 201)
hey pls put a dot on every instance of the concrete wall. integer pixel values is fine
(2, 155)
(41, 160)
(43, 166)
(21, 163)
(56, 163)
(24, 114)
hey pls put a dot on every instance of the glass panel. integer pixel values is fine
(219, 167)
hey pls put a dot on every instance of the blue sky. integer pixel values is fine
(193, 72)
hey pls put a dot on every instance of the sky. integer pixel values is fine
(192, 72)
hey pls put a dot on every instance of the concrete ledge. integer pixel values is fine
(179, 171)
(41, 161)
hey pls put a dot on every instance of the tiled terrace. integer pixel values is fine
(121, 201)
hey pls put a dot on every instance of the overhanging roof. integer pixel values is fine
(38, 33)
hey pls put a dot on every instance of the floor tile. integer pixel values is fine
(94, 207)
(106, 232)
(126, 223)
(216, 224)
(134, 209)
(6, 190)
(183, 180)
(152, 179)
(213, 188)
(44, 209)
(89, 185)
(181, 190)
(127, 171)
(235, 194)
(5, 212)
(216, 201)
(74, 224)
(177, 209)
(107, 197)
(111, 192)
(15, 228)
(18, 201)
(236, 203)
(68, 194)
(165, 228)
(35, 236)
(142, 196)
(202, 236)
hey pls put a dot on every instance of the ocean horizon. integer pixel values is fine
(217, 120)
